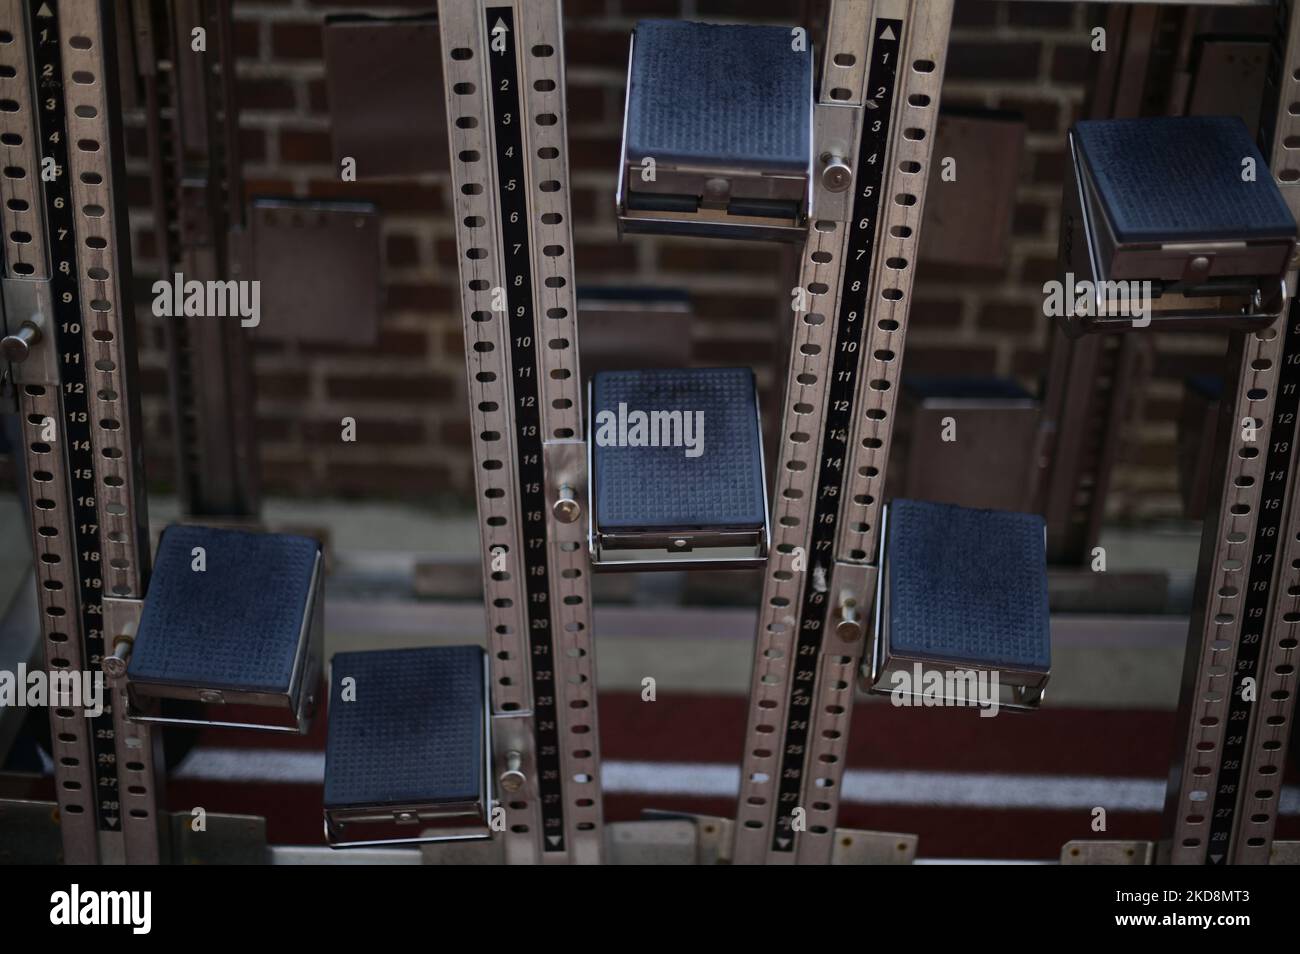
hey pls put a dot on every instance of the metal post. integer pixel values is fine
(68, 274)
(882, 72)
(504, 69)
(1239, 684)
(198, 217)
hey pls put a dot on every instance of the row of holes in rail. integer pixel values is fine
(818, 290)
(479, 286)
(92, 213)
(56, 581)
(1283, 675)
(1266, 774)
(547, 138)
(96, 215)
(1210, 701)
(46, 491)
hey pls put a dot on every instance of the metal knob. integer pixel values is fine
(836, 174)
(18, 346)
(115, 665)
(566, 508)
(513, 778)
(848, 628)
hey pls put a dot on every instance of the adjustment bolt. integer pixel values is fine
(512, 779)
(848, 628)
(836, 174)
(566, 508)
(17, 347)
(115, 665)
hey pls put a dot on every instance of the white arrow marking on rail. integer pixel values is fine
(45, 11)
(553, 839)
(888, 33)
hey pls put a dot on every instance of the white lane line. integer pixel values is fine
(710, 780)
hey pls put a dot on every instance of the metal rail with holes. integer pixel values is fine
(884, 61)
(67, 259)
(504, 69)
(1238, 696)
(197, 200)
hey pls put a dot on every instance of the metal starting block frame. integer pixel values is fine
(717, 131)
(409, 753)
(948, 634)
(873, 127)
(653, 508)
(246, 632)
(1205, 269)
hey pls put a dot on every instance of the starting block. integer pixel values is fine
(717, 132)
(1174, 222)
(232, 621)
(961, 592)
(407, 759)
(677, 469)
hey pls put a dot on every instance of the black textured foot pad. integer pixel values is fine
(967, 586)
(235, 623)
(407, 728)
(726, 96)
(709, 478)
(1179, 178)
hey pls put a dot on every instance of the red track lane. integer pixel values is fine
(690, 728)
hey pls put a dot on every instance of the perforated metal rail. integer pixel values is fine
(503, 64)
(66, 234)
(885, 59)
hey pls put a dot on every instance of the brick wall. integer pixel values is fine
(407, 392)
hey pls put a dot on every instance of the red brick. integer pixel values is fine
(296, 41)
(733, 352)
(588, 104)
(406, 480)
(588, 46)
(402, 250)
(990, 60)
(1009, 316)
(592, 152)
(388, 387)
(247, 35)
(283, 384)
(715, 257)
(1038, 15)
(252, 145)
(922, 359)
(254, 188)
(713, 305)
(370, 430)
(777, 9)
(318, 97)
(1074, 64)
(1040, 115)
(399, 342)
(1029, 219)
(298, 145)
(1049, 167)
(420, 297)
(611, 256)
(391, 197)
(456, 431)
(274, 428)
(1039, 269)
(974, 13)
(935, 313)
(264, 94)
